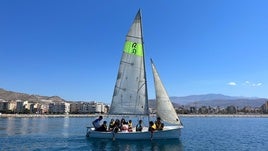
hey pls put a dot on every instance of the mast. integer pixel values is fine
(145, 75)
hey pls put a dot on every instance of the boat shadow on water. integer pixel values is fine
(127, 145)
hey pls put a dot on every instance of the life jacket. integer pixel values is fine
(154, 126)
(158, 125)
(111, 125)
(129, 125)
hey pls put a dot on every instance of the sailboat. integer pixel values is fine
(130, 95)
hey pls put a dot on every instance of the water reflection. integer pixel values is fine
(125, 145)
(27, 126)
(10, 123)
(16, 126)
(65, 130)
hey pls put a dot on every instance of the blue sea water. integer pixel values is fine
(198, 134)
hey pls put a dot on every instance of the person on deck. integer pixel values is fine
(123, 121)
(139, 126)
(111, 125)
(152, 127)
(159, 125)
(103, 127)
(130, 125)
(96, 123)
(116, 126)
(124, 125)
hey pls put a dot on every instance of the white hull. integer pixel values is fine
(169, 132)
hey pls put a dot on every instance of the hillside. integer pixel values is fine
(224, 103)
(215, 100)
(212, 100)
(10, 95)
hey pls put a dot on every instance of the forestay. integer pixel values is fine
(130, 92)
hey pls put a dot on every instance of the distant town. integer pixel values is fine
(93, 107)
(220, 110)
(26, 107)
(20, 103)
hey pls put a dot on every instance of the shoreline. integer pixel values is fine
(226, 115)
(96, 115)
(48, 115)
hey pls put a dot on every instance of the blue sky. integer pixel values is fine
(72, 48)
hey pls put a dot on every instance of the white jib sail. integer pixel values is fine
(130, 92)
(164, 107)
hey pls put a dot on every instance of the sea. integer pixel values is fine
(69, 133)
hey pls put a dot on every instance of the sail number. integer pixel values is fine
(134, 48)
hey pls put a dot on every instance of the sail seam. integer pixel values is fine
(133, 37)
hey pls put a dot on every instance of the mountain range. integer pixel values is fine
(220, 100)
(10, 95)
(212, 100)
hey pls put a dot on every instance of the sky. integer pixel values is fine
(72, 48)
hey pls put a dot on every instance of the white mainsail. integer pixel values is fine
(130, 92)
(164, 107)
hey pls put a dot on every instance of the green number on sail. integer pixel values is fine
(133, 48)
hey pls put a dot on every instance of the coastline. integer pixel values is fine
(48, 115)
(95, 115)
(226, 115)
